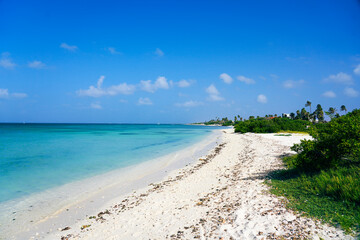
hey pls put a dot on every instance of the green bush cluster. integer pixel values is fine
(323, 179)
(336, 143)
(222, 122)
(264, 125)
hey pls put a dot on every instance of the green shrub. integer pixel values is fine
(290, 161)
(323, 179)
(227, 123)
(336, 143)
(263, 125)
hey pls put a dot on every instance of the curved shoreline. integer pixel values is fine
(49, 213)
(221, 196)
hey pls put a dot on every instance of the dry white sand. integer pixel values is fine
(222, 196)
(40, 214)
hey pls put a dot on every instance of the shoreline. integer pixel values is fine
(221, 196)
(68, 205)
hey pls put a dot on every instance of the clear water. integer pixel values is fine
(36, 157)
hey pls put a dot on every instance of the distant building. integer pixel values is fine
(286, 115)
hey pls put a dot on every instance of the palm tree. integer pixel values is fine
(292, 115)
(331, 112)
(304, 115)
(319, 113)
(308, 104)
(343, 108)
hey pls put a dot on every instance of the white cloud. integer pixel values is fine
(245, 80)
(4, 93)
(98, 91)
(69, 47)
(262, 98)
(189, 104)
(160, 83)
(340, 78)
(36, 64)
(183, 83)
(113, 51)
(226, 78)
(6, 61)
(100, 81)
(214, 94)
(292, 83)
(96, 106)
(147, 86)
(158, 52)
(122, 88)
(91, 92)
(212, 90)
(329, 94)
(144, 101)
(350, 92)
(357, 70)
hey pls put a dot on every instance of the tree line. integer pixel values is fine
(318, 115)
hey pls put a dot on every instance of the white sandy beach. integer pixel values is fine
(40, 214)
(221, 196)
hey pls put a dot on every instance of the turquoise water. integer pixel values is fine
(36, 157)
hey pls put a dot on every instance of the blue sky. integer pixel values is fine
(175, 61)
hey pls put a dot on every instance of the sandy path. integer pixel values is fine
(220, 197)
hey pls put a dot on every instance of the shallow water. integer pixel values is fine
(36, 157)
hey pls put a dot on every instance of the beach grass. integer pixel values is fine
(331, 196)
(283, 135)
(289, 132)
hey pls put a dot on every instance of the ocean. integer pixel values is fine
(37, 157)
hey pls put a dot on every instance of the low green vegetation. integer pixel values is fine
(297, 132)
(310, 195)
(323, 179)
(283, 135)
(271, 125)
